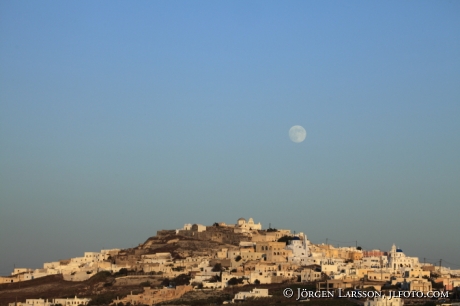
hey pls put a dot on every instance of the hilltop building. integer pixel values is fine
(221, 232)
(245, 227)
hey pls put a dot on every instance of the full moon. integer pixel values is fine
(297, 133)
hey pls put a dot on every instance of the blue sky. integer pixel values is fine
(118, 119)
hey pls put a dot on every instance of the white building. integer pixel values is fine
(245, 227)
(385, 301)
(329, 267)
(51, 302)
(186, 227)
(33, 302)
(21, 270)
(72, 302)
(300, 250)
(254, 293)
(373, 262)
(397, 260)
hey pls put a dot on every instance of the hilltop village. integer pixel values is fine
(199, 257)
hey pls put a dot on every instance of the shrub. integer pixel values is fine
(122, 272)
(102, 299)
(165, 282)
(217, 267)
(101, 276)
(214, 279)
(285, 239)
(197, 285)
(182, 279)
(235, 281)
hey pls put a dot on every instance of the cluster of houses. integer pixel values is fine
(53, 302)
(250, 256)
(74, 269)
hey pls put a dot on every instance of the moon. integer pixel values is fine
(297, 133)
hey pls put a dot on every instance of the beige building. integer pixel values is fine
(265, 266)
(226, 276)
(246, 256)
(274, 251)
(11, 279)
(310, 275)
(378, 276)
(218, 233)
(21, 270)
(416, 272)
(262, 277)
(269, 236)
(345, 253)
(373, 262)
(222, 253)
(420, 284)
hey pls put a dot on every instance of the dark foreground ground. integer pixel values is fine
(103, 288)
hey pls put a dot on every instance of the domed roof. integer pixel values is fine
(295, 238)
(399, 250)
(242, 219)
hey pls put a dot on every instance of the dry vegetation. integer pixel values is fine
(102, 285)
